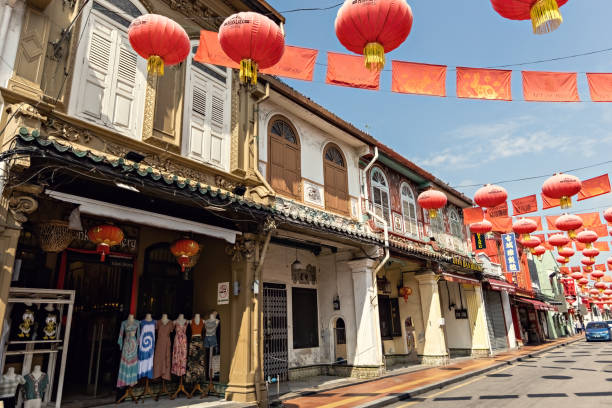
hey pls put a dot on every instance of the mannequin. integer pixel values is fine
(210, 341)
(196, 369)
(179, 353)
(161, 360)
(48, 323)
(35, 387)
(8, 386)
(148, 317)
(128, 343)
(146, 351)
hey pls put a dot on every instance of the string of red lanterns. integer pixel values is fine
(432, 200)
(544, 14)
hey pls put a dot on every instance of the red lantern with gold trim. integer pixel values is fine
(566, 252)
(531, 243)
(582, 282)
(159, 40)
(432, 200)
(559, 240)
(524, 227)
(539, 251)
(562, 187)
(562, 260)
(544, 14)
(591, 253)
(576, 276)
(252, 40)
(608, 215)
(600, 286)
(490, 196)
(569, 223)
(597, 275)
(481, 227)
(587, 262)
(105, 236)
(183, 249)
(587, 237)
(373, 28)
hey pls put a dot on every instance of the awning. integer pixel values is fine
(121, 213)
(501, 285)
(538, 305)
(451, 277)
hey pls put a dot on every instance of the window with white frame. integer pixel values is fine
(455, 224)
(207, 113)
(109, 82)
(380, 195)
(436, 226)
(409, 210)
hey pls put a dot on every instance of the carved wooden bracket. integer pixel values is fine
(242, 248)
(21, 206)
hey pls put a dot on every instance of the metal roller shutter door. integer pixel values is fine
(495, 320)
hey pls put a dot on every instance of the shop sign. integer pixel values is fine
(461, 314)
(223, 292)
(510, 253)
(464, 263)
(480, 241)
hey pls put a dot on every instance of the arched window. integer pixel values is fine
(436, 225)
(380, 195)
(109, 78)
(284, 157)
(336, 180)
(409, 210)
(455, 224)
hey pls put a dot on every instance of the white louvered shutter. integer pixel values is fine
(198, 118)
(125, 88)
(96, 77)
(217, 125)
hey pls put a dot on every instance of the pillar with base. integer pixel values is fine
(435, 351)
(368, 353)
(478, 322)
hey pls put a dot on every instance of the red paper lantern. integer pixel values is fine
(183, 249)
(405, 292)
(576, 276)
(587, 237)
(566, 252)
(524, 227)
(591, 252)
(530, 243)
(594, 292)
(159, 40)
(597, 275)
(373, 28)
(609, 262)
(432, 200)
(583, 281)
(587, 261)
(490, 196)
(539, 251)
(562, 260)
(558, 240)
(254, 41)
(544, 14)
(105, 236)
(569, 223)
(562, 187)
(608, 292)
(608, 215)
(481, 227)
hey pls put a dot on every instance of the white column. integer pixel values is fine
(505, 298)
(435, 350)
(368, 347)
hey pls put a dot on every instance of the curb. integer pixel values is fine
(385, 401)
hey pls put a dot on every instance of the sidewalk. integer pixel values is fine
(389, 389)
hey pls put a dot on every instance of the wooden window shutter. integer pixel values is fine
(169, 105)
(285, 162)
(336, 181)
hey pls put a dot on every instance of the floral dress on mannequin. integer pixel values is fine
(146, 349)
(179, 352)
(128, 343)
(196, 368)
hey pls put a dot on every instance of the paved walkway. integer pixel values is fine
(416, 382)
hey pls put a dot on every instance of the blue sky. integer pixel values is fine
(468, 141)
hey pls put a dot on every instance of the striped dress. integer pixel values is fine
(146, 349)
(128, 343)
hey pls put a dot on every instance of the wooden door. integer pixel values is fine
(284, 174)
(336, 181)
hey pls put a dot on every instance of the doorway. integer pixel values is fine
(103, 296)
(276, 354)
(340, 356)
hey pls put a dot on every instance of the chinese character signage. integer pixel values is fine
(480, 241)
(510, 253)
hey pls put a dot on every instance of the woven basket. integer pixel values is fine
(54, 236)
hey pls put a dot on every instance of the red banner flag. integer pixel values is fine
(580, 246)
(594, 187)
(602, 246)
(537, 220)
(349, 70)
(550, 220)
(472, 215)
(210, 51)
(543, 241)
(575, 269)
(422, 79)
(296, 63)
(600, 87)
(525, 205)
(548, 202)
(600, 267)
(564, 270)
(480, 83)
(499, 211)
(550, 86)
(600, 230)
(500, 224)
(590, 220)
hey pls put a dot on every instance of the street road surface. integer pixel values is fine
(576, 376)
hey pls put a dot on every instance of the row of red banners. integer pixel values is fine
(585, 269)
(500, 217)
(421, 79)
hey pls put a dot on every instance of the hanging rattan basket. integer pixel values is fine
(54, 236)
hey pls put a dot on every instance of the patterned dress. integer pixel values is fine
(196, 368)
(161, 360)
(146, 349)
(128, 343)
(179, 353)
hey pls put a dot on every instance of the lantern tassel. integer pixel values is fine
(248, 71)
(374, 56)
(433, 213)
(155, 65)
(545, 16)
(565, 202)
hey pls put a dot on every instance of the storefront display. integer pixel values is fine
(161, 361)
(35, 387)
(196, 364)
(47, 320)
(128, 343)
(146, 347)
(23, 319)
(8, 387)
